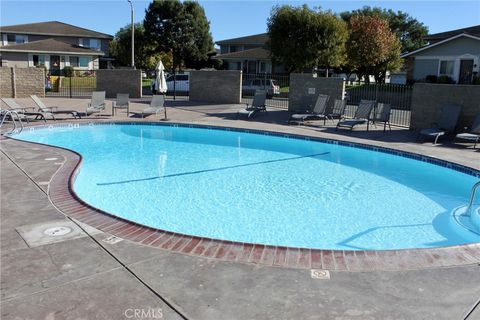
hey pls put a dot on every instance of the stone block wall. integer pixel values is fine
(21, 82)
(304, 89)
(120, 81)
(216, 86)
(29, 81)
(427, 100)
(6, 82)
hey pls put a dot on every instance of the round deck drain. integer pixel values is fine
(57, 231)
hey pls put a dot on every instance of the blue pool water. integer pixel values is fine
(264, 189)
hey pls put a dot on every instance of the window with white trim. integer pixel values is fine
(16, 38)
(446, 67)
(38, 60)
(83, 62)
(74, 61)
(94, 44)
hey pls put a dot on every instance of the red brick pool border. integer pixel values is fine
(64, 198)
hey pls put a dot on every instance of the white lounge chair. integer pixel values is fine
(473, 134)
(52, 110)
(22, 111)
(122, 102)
(156, 105)
(97, 103)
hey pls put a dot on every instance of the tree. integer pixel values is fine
(372, 47)
(121, 47)
(180, 28)
(408, 29)
(302, 38)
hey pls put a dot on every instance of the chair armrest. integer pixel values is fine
(23, 109)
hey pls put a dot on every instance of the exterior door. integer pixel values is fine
(55, 65)
(252, 67)
(466, 71)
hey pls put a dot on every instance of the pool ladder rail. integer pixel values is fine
(468, 212)
(12, 114)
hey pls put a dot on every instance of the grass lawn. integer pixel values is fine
(284, 89)
(147, 82)
(79, 82)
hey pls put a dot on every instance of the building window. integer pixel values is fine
(90, 43)
(16, 38)
(263, 67)
(74, 62)
(83, 62)
(446, 68)
(38, 60)
(233, 49)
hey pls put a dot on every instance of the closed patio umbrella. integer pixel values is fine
(160, 81)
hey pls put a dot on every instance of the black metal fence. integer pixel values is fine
(397, 95)
(277, 87)
(79, 83)
(178, 85)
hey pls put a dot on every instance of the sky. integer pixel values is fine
(228, 19)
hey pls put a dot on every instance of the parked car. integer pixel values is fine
(249, 86)
(182, 82)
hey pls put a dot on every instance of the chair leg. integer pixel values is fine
(436, 138)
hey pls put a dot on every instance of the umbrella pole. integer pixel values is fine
(165, 106)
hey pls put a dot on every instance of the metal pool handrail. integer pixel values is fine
(472, 198)
(4, 113)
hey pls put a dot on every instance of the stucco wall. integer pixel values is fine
(120, 81)
(427, 100)
(216, 86)
(17, 59)
(304, 89)
(425, 67)
(454, 47)
(22, 82)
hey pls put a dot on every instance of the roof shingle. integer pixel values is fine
(54, 28)
(255, 53)
(256, 39)
(50, 46)
(474, 30)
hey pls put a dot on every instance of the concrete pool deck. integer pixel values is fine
(92, 276)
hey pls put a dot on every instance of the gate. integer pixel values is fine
(276, 85)
(79, 83)
(399, 96)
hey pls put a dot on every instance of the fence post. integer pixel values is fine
(14, 82)
(70, 85)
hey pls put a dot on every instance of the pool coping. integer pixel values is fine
(63, 196)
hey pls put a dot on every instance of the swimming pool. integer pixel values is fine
(266, 189)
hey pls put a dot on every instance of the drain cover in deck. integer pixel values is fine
(40, 234)
(57, 231)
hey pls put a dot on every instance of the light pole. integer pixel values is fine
(133, 34)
